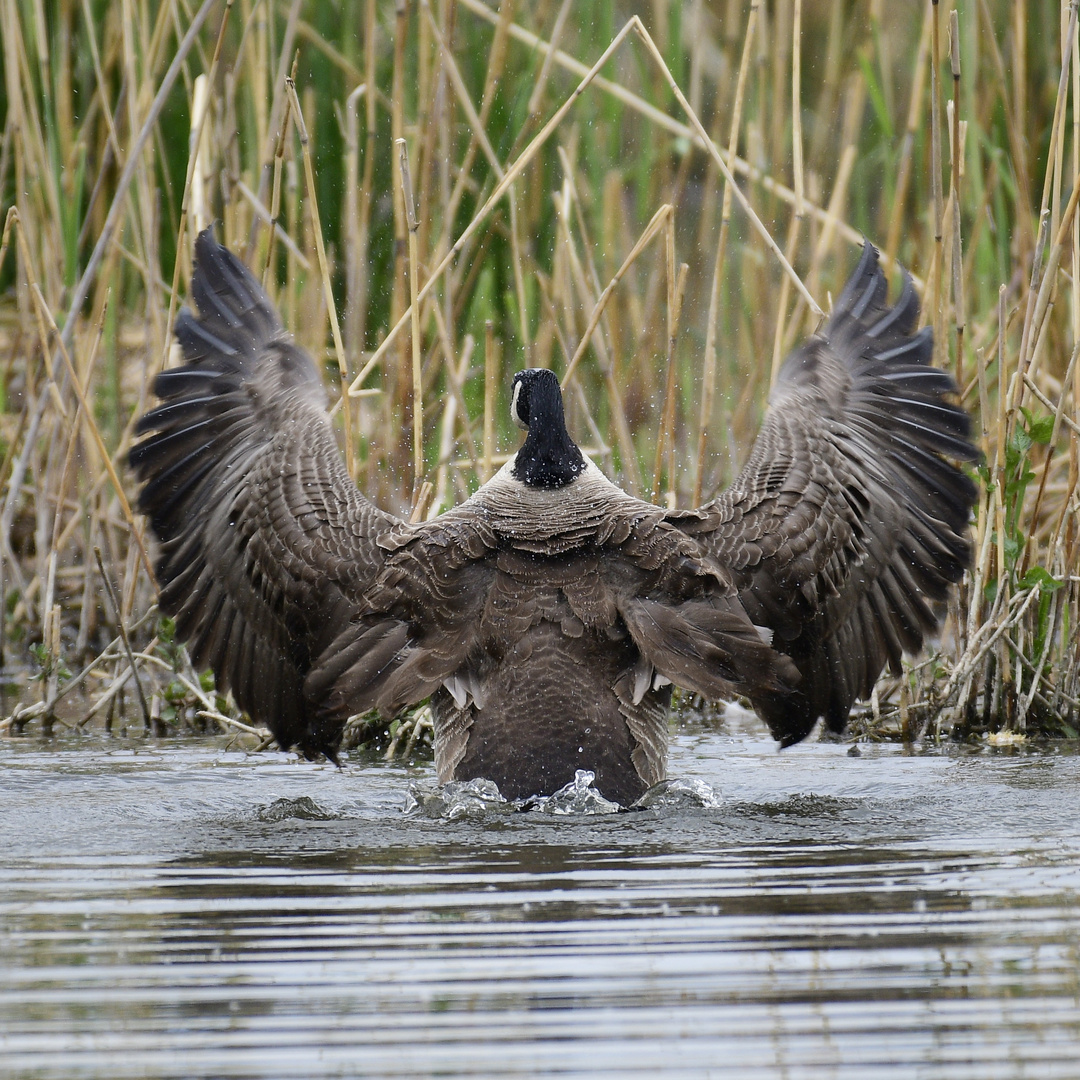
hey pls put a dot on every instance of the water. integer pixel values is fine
(180, 909)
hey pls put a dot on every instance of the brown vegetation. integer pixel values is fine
(570, 205)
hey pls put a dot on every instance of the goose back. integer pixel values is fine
(549, 623)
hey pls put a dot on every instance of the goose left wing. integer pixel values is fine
(264, 542)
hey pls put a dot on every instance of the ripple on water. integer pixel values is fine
(188, 911)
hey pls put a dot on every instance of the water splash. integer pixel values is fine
(680, 794)
(474, 798)
(577, 797)
(455, 800)
(304, 808)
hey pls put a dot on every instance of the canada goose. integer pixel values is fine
(548, 615)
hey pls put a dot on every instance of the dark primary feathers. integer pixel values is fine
(848, 522)
(548, 616)
(264, 541)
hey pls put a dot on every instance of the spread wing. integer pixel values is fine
(849, 521)
(264, 540)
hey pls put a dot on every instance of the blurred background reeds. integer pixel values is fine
(551, 183)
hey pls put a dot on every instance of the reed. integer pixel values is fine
(547, 147)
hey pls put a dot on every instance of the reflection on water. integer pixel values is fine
(179, 910)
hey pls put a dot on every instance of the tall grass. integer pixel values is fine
(559, 214)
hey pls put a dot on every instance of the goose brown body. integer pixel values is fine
(548, 615)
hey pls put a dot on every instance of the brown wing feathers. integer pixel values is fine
(261, 530)
(844, 549)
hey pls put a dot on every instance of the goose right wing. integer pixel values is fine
(849, 521)
(265, 542)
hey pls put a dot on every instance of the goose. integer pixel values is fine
(549, 615)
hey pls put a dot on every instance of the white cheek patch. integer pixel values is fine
(514, 406)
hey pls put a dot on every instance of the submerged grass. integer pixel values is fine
(439, 193)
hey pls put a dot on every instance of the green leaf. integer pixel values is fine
(1041, 429)
(1037, 575)
(1037, 428)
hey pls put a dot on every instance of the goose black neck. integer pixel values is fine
(549, 458)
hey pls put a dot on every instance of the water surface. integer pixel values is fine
(183, 909)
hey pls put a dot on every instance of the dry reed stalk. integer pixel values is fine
(1052, 180)
(796, 110)
(957, 131)
(57, 467)
(275, 191)
(708, 381)
(1040, 310)
(400, 277)
(455, 376)
(911, 127)
(578, 287)
(198, 127)
(324, 270)
(1060, 418)
(676, 291)
(278, 96)
(456, 373)
(414, 308)
(660, 222)
(490, 382)
(1074, 62)
(825, 240)
(937, 309)
(796, 222)
(118, 611)
(791, 248)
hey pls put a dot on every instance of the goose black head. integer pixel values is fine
(548, 458)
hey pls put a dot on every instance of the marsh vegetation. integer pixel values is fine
(437, 194)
